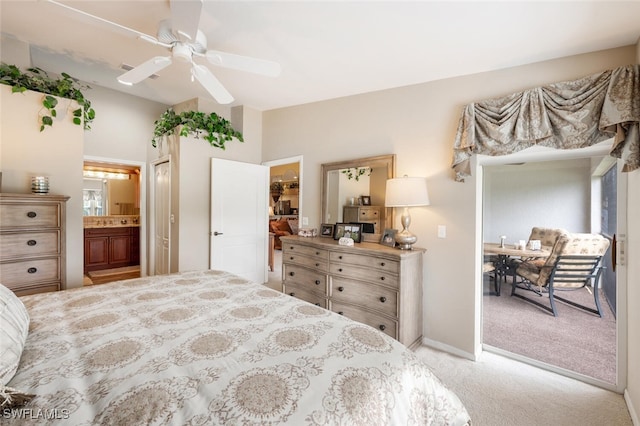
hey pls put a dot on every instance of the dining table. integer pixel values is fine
(506, 257)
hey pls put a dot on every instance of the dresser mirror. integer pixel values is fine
(354, 183)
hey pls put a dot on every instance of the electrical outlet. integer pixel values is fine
(442, 231)
(305, 221)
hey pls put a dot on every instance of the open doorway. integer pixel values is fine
(113, 220)
(560, 193)
(285, 210)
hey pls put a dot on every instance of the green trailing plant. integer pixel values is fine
(357, 172)
(37, 80)
(276, 187)
(211, 127)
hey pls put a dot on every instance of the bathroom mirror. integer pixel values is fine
(354, 182)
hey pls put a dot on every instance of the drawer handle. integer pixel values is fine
(32, 270)
(291, 248)
(382, 327)
(317, 304)
(340, 313)
(291, 273)
(31, 242)
(31, 214)
(292, 294)
(381, 263)
(291, 258)
(339, 269)
(382, 278)
(317, 253)
(340, 288)
(383, 299)
(317, 282)
(317, 264)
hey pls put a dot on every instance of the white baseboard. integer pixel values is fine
(449, 349)
(632, 411)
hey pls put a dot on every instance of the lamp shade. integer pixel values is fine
(406, 192)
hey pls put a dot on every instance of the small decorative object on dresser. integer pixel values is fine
(370, 283)
(32, 242)
(366, 200)
(326, 230)
(388, 238)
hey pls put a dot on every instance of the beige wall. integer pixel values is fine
(418, 124)
(56, 152)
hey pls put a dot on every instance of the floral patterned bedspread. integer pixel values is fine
(208, 348)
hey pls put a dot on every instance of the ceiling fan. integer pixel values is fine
(180, 34)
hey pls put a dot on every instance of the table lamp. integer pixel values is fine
(406, 192)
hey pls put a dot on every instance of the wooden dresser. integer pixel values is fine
(370, 283)
(32, 242)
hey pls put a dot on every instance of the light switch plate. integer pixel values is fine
(305, 221)
(442, 231)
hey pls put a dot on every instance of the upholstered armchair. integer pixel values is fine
(573, 264)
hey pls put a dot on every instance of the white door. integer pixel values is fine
(239, 218)
(161, 212)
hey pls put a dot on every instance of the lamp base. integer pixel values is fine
(405, 239)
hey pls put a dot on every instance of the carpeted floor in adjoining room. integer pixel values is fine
(498, 391)
(575, 340)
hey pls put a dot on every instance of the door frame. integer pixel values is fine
(152, 218)
(548, 154)
(288, 160)
(143, 202)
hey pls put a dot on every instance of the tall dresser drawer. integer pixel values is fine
(374, 297)
(289, 249)
(386, 325)
(30, 271)
(367, 213)
(309, 279)
(23, 216)
(29, 244)
(392, 266)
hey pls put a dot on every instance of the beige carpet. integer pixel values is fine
(499, 391)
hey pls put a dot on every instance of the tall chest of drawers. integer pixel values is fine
(32, 242)
(364, 214)
(370, 283)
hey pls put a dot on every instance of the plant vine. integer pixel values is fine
(213, 128)
(37, 80)
(357, 172)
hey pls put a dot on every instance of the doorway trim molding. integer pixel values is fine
(143, 201)
(152, 217)
(546, 154)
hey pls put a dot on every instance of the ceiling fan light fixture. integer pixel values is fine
(182, 52)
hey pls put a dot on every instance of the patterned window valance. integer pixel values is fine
(566, 115)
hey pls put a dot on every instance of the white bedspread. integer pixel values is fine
(208, 348)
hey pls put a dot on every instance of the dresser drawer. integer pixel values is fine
(306, 278)
(30, 216)
(30, 271)
(364, 274)
(367, 213)
(297, 290)
(311, 262)
(373, 297)
(289, 249)
(379, 322)
(392, 266)
(29, 244)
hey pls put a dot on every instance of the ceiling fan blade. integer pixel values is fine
(244, 63)
(130, 32)
(185, 17)
(211, 83)
(144, 70)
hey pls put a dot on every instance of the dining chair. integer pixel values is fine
(574, 263)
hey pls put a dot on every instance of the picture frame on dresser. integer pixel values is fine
(326, 230)
(365, 200)
(353, 231)
(338, 231)
(388, 237)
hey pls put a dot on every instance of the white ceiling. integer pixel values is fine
(326, 49)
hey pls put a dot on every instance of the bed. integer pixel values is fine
(208, 348)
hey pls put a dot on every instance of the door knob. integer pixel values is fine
(216, 233)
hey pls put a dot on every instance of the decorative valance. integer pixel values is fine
(566, 115)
